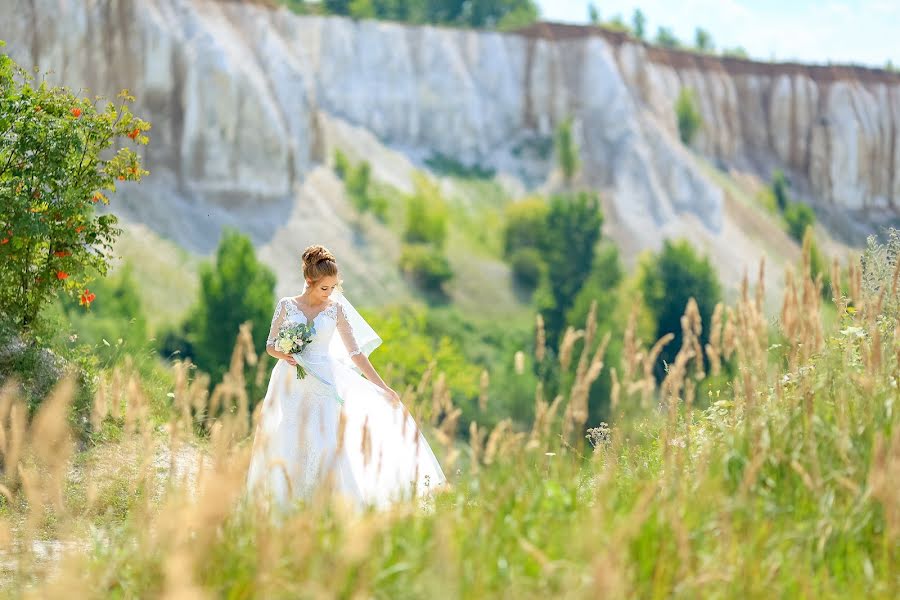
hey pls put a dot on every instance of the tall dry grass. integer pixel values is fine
(785, 485)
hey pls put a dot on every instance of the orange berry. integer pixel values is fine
(87, 297)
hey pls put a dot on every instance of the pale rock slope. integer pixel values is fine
(248, 102)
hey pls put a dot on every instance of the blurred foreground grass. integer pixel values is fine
(786, 486)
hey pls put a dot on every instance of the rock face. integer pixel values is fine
(242, 98)
(834, 128)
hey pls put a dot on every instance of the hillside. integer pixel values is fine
(248, 103)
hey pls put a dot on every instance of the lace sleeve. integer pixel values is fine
(346, 331)
(277, 321)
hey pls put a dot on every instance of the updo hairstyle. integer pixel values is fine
(318, 262)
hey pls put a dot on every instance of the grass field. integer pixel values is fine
(786, 486)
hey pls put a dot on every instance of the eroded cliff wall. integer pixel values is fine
(242, 96)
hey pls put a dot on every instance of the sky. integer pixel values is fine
(817, 31)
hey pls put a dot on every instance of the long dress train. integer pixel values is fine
(334, 431)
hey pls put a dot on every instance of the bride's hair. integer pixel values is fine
(318, 262)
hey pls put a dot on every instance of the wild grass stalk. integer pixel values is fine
(784, 485)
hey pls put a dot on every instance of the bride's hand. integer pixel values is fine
(393, 396)
(290, 360)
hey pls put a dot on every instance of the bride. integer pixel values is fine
(333, 432)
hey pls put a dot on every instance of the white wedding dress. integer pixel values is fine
(335, 432)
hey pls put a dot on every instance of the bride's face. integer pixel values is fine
(321, 290)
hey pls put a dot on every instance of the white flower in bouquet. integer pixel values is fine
(293, 339)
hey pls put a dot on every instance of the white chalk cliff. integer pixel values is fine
(246, 103)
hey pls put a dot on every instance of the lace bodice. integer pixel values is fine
(330, 318)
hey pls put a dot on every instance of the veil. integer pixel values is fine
(365, 336)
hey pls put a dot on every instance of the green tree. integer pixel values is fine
(341, 164)
(444, 11)
(524, 225)
(601, 286)
(523, 233)
(357, 182)
(703, 40)
(779, 189)
(666, 38)
(57, 162)
(235, 289)
(301, 7)
(639, 24)
(361, 9)
(667, 281)
(410, 11)
(567, 150)
(688, 116)
(528, 267)
(358, 186)
(617, 23)
(337, 7)
(426, 265)
(423, 257)
(521, 15)
(426, 214)
(571, 234)
(491, 13)
(593, 14)
(736, 52)
(502, 14)
(799, 217)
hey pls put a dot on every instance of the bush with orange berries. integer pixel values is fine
(58, 161)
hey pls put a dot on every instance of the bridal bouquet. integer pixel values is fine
(293, 339)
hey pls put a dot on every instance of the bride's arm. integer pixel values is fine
(360, 359)
(277, 322)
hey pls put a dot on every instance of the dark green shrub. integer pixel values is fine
(525, 224)
(528, 267)
(235, 289)
(666, 38)
(667, 281)
(688, 116)
(445, 165)
(426, 214)
(703, 40)
(570, 237)
(779, 189)
(566, 150)
(357, 183)
(341, 164)
(639, 24)
(426, 265)
(798, 217)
